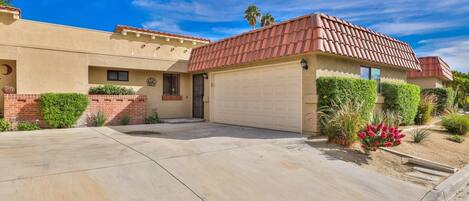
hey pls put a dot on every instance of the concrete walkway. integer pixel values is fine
(200, 161)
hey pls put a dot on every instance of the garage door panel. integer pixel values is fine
(265, 97)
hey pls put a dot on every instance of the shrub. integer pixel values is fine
(333, 90)
(451, 110)
(425, 109)
(445, 98)
(62, 110)
(388, 118)
(125, 120)
(111, 90)
(4, 125)
(28, 126)
(402, 99)
(342, 121)
(456, 138)
(100, 119)
(373, 137)
(153, 119)
(456, 124)
(419, 135)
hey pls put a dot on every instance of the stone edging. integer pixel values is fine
(449, 187)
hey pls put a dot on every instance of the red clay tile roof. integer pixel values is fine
(432, 66)
(119, 29)
(310, 33)
(9, 8)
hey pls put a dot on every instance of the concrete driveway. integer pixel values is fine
(200, 161)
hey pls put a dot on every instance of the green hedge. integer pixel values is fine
(28, 126)
(445, 98)
(339, 89)
(111, 90)
(5, 125)
(62, 110)
(402, 99)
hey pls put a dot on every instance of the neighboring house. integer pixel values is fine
(435, 73)
(263, 78)
(54, 58)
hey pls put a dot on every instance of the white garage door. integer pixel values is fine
(268, 97)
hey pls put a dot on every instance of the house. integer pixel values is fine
(267, 77)
(435, 73)
(263, 78)
(45, 57)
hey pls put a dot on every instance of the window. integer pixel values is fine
(365, 73)
(113, 75)
(171, 84)
(371, 74)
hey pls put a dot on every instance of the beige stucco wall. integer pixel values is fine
(426, 82)
(55, 58)
(137, 81)
(345, 67)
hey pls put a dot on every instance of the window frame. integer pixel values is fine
(370, 77)
(172, 82)
(118, 77)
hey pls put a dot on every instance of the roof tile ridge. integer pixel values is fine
(347, 23)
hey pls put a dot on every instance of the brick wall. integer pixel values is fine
(25, 107)
(115, 107)
(22, 107)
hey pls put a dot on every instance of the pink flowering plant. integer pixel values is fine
(375, 136)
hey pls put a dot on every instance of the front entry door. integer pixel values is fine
(198, 96)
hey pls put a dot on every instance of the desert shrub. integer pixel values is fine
(419, 135)
(28, 126)
(111, 90)
(444, 98)
(342, 121)
(425, 109)
(153, 119)
(375, 136)
(333, 90)
(456, 124)
(451, 110)
(388, 118)
(377, 117)
(402, 99)
(99, 119)
(62, 110)
(456, 138)
(4, 125)
(125, 120)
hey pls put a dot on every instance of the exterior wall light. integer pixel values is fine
(205, 75)
(304, 64)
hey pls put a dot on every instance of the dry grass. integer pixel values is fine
(438, 148)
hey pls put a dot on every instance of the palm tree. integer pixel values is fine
(5, 2)
(252, 15)
(267, 20)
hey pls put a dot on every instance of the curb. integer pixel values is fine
(449, 187)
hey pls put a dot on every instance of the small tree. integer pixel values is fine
(267, 20)
(460, 85)
(252, 15)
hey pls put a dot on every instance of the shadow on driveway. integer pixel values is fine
(335, 152)
(193, 131)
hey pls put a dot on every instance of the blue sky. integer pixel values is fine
(432, 27)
